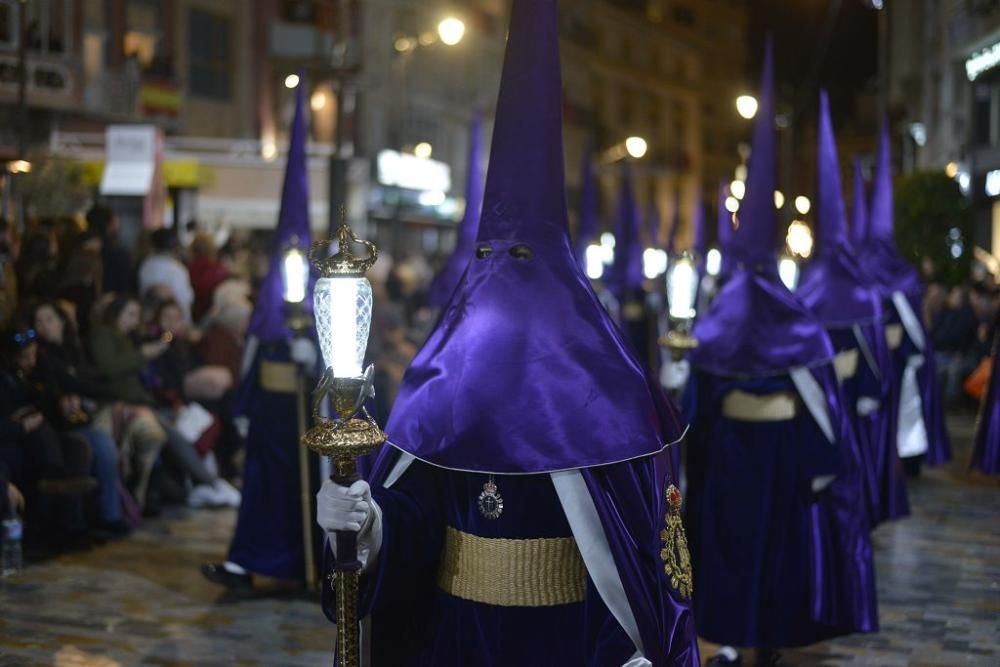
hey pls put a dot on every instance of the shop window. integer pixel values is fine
(210, 43)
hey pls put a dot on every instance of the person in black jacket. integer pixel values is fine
(50, 469)
(118, 273)
(954, 332)
(73, 392)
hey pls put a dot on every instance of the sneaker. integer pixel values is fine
(207, 496)
(228, 492)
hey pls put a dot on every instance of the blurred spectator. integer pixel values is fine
(207, 273)
(119, 362)
(74, 391)
(38, 265)
(954, 333)
(51, 469)
(81, 278)
(225, 334)
(163, 269)
(117, 274)
(8, 275)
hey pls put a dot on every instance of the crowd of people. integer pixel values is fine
(120, 370)
(118, 378)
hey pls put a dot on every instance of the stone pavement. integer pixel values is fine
(142, 601)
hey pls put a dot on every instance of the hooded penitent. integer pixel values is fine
(527, 389)
(781, 555)
(625, 276)
(841, 294)
(986, 448)
(444, 282)
(268, 536)
(921, 427)
(587, 229)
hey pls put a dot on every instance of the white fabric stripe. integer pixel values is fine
(911, 432)
(910, 320)
(859, 336)
(581, 513)
(249, 352)
(814, 398)
(401, 466)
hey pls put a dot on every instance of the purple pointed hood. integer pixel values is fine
(879, 256)
(268, 320)
(625, 276)
(859, 216)
(588, 228)
(525, 372)
(834, 286)
(445, 281)
(755, 326)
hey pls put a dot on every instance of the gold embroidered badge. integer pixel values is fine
(676, 559)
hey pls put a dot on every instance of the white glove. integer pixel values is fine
(303, 352)
(351, 508)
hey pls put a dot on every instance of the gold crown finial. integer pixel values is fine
(344, 262)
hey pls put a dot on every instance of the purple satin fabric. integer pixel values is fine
(630, 500)
(986, 449)
(843, 573)
(625, 276)
(445, 281)
(525, 372)
(756, 327)
(834, 289)
(519, 380)
(268, 320)
(834, 285)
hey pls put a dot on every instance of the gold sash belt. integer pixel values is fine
(894, 334)
(846, 364)
(512, 573)
(745, 407)
(278, 377)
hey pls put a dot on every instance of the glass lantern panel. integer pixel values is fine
(343, 310)
(682, 289)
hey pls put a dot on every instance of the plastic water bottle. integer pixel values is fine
(12, 561)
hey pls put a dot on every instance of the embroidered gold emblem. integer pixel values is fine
(676, 559)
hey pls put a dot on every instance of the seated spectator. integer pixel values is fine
(163, 269)
(954, 333)
(73, 391)
(117, 271)
(51, 469)
(207, 273)
(122, 361)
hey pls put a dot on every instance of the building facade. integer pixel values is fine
(944, 86)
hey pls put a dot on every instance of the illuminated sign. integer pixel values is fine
(993, 183)
(982, 61)
(404, 170)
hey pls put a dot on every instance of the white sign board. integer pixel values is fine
(982, 61)
(407, 171)
(132, 152)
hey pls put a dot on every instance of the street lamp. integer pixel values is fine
(636, 147)
(423, 150)
(343, 308)
(802, 204)
(746, 106)
(292, 81)
(738, 189)
(799, 239)
(451, 30)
